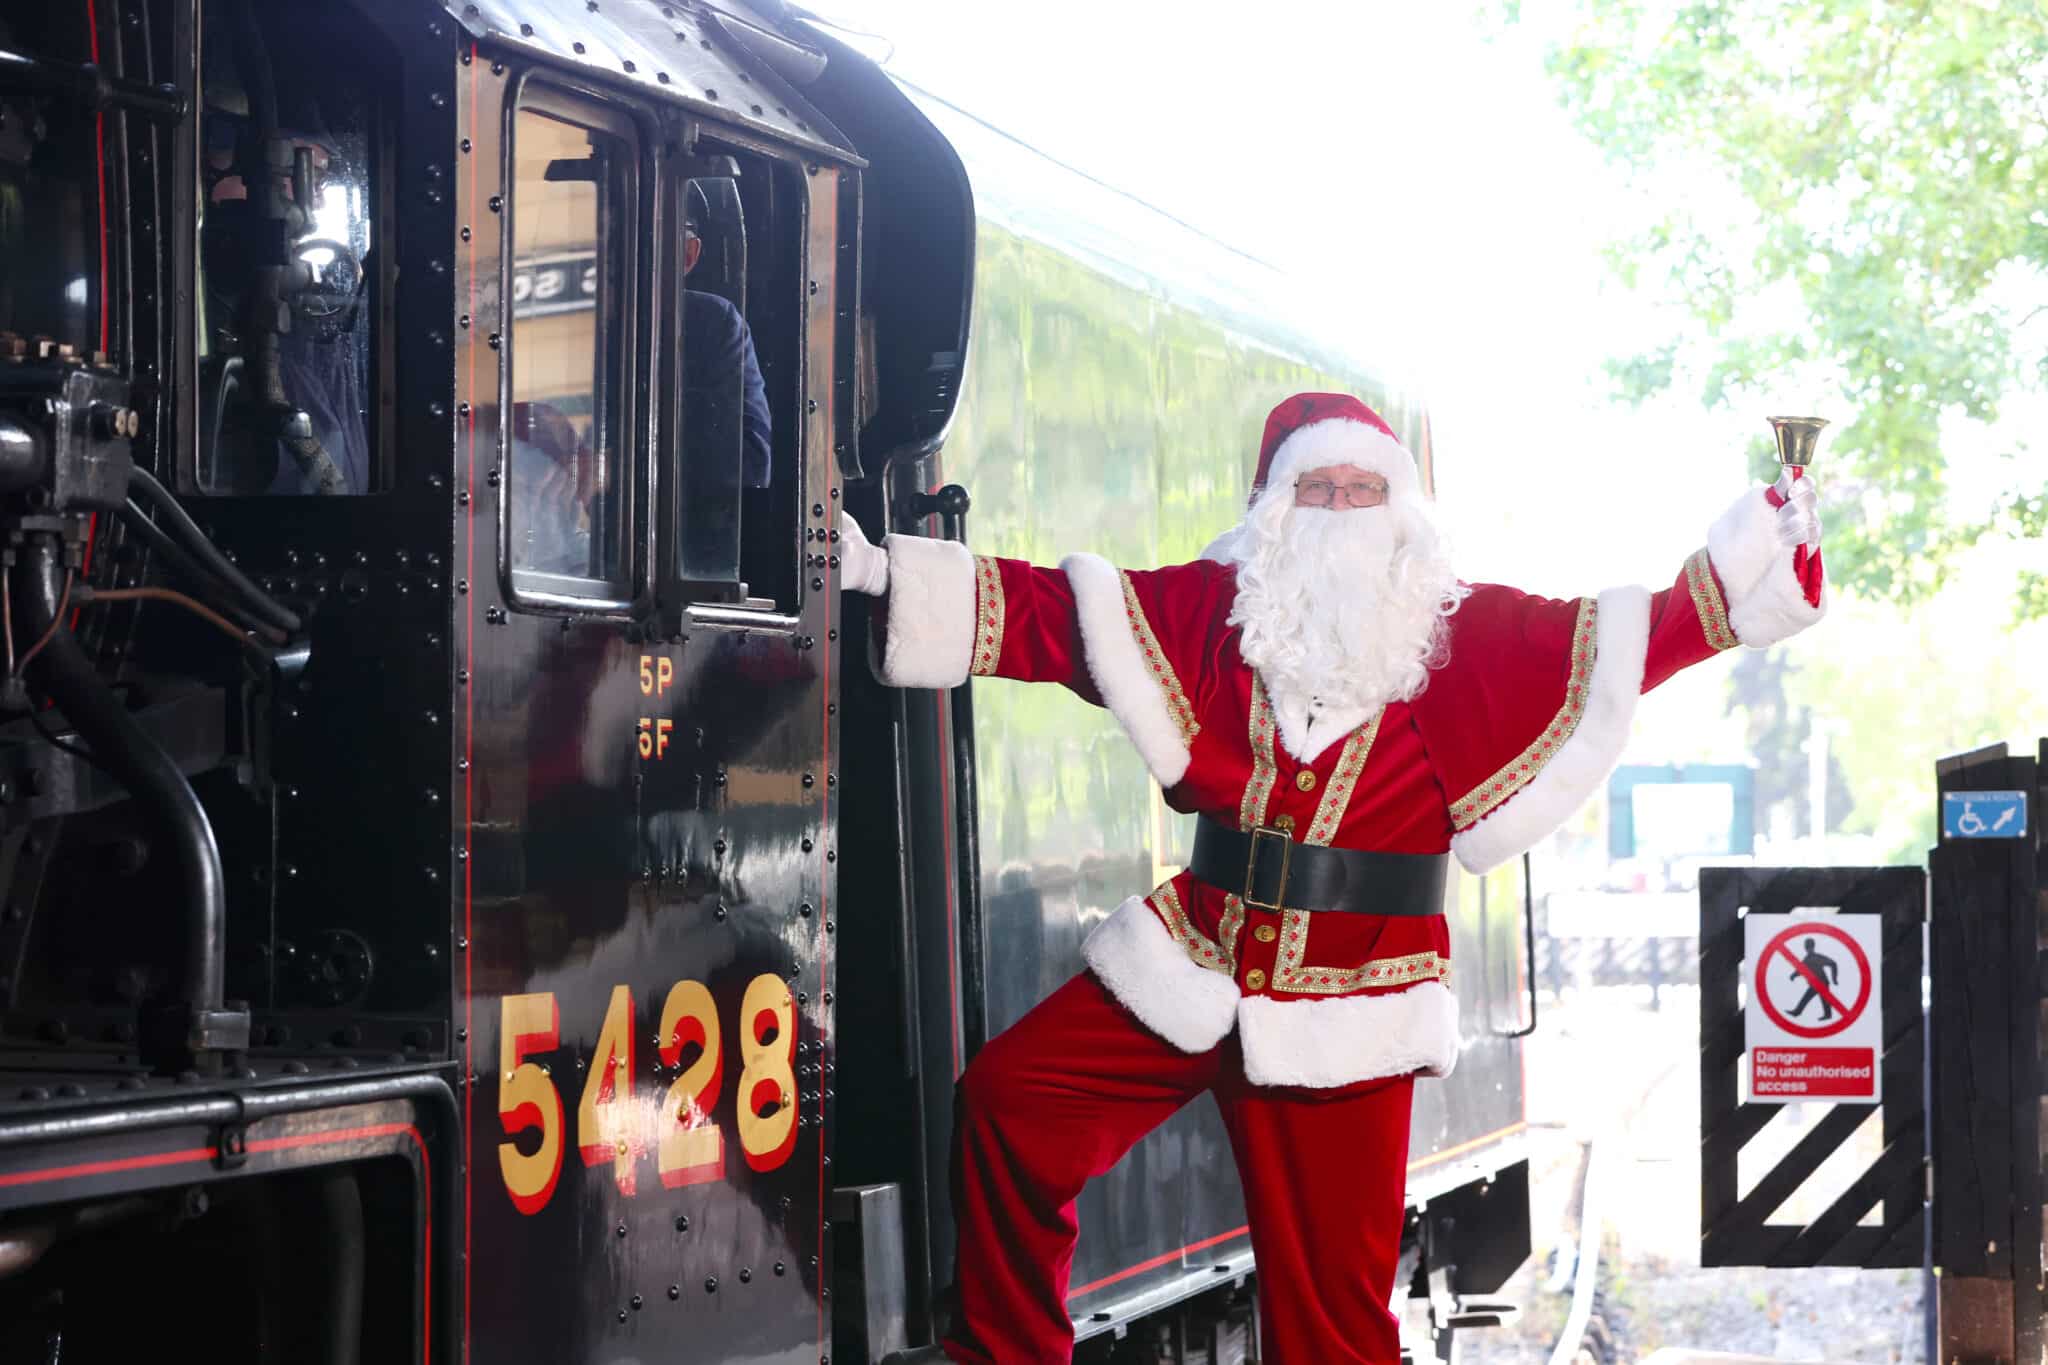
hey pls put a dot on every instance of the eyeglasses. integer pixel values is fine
(1322, 493)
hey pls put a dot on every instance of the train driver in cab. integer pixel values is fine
(1344, 714)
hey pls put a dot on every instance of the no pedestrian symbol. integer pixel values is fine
(1813, 1026)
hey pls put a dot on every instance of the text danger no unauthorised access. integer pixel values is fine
(1812, 1071)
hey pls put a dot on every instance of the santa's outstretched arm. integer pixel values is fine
(1536, 702)
(1129, 641)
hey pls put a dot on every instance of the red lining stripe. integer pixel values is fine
(468, 767)
(1157, 1261)
(187, 1155)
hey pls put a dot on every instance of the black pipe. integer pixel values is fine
(187, 567)
(27, 71)
(63, 672)
(195, 540)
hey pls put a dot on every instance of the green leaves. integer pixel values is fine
(1864, 187)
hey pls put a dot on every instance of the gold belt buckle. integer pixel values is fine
(1251, 864)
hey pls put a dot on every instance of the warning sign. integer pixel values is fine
(1812, 1025)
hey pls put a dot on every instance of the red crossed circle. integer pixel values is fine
(1844, 1015)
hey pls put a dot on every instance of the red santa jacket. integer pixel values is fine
(1521, 723)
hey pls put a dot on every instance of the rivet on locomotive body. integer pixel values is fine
(831, 855)
(675, 1291)
(630, 68)
(827, 997)
(781, 1269)
(817, 509)
(709, 93)
(807, 845)
(817, 584)
(622, 1229)
(622, 1315)
(682, 1222)
(711, 1284)
(661, 76)
(636, 1303)
(578, 49)
(526, 30)
(498, 68)
(831, 779)
(828, 926)
(495, 615)
(493, 478)
(462, 943)
(746, 1275)
(438, 99)
(462, 765)
(462, 1035)
(495, 340)
(461, 586)
(804, 909)
(809, 780)
(719, 913)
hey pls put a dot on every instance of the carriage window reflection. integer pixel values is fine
(567, 483)
(285, 337)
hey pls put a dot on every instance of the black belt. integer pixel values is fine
(1272, 872)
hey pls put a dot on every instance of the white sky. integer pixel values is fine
(1423, 177)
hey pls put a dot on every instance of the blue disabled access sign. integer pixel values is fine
(1984, 815)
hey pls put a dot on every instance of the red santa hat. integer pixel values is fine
(1312, 430)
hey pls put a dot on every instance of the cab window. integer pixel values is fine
(735, 469)
(567, 429)
(289, 252)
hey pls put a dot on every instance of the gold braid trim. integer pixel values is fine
(1177, 704)
(1378, 972)
(1289, 973)
(988, 616)
(1251, 807)
(1706, 600)
(1203, 950)
(1470, 808)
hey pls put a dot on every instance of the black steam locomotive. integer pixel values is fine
(463, 895)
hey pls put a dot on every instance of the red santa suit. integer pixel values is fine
(1309, 1026)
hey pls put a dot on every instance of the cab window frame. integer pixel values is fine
(711, 600)
(625, 360)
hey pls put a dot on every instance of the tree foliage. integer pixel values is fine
(1883, 234)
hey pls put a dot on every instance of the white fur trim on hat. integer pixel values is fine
(930, 639)
(1621, 642)
(1153, 977)
(1341, 440)
(1766, 603)
(1325, 1043)
(1128, 688)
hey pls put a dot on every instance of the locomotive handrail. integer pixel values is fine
(243, 1106)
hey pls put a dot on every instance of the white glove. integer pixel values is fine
(862, 567)
(1799, 518)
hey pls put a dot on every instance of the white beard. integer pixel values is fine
(1343, 611)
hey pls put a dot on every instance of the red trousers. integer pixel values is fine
(1067, 1090)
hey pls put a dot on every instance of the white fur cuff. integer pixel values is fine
(1776, 608)
(930, 640)
(1743, 541)
(1117, 668)
(1621, 642)
(1325, 1043)
(1153, 977)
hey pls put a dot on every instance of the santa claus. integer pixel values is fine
(1344, 715)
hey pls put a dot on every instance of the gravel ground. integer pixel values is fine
(1608, 1070)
